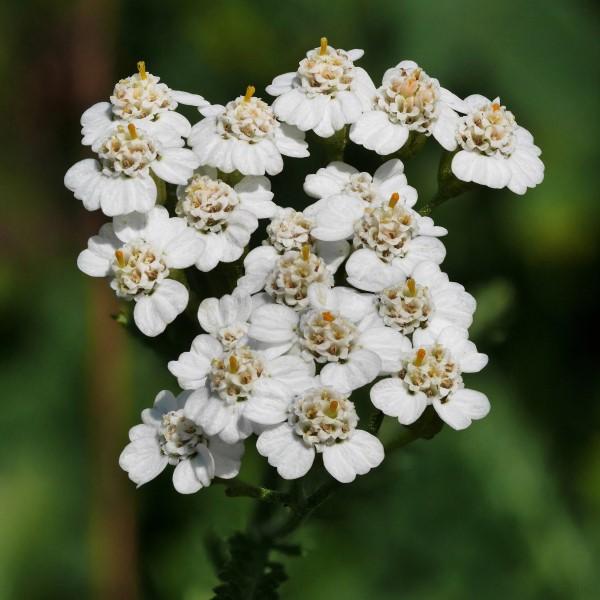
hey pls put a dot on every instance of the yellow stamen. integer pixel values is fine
(132, 131)
(412, 286)
(234, 365)
(332, 409)
(120, 256)
(249, 93)
(306, 252)
(495, 106)
(416, 74)
(323, 49)
(327, 316)
(421, 353)
(142, 69)
(394, 199)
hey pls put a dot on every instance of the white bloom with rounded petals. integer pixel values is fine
(494, 150)
(245, 136)
(340, 330)
(425, 300)
(226, 318)
(137, 252)
(341, 179)
(431, 374)
(326, 93)
(224, 380)
(408, 101)
(224, 216)
(316, 420)
(287, 277)
(135, 99)
(121, 182)
(390, 239)
(170, 434)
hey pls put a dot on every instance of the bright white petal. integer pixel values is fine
(392, 398)
(361, 368)
(459, 408)
(153, 313)
(286, 451)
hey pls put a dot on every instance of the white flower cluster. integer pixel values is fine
(344, 294)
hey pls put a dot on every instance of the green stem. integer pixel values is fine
(235, 488)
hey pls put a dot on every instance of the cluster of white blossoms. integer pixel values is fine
(345, 294)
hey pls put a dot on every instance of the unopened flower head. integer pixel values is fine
(293, 274)
(386, 230)
(289, 230)
(141, 95)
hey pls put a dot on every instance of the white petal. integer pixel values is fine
(192, 474)
(445, 127)
(256, 196)
(96, 121)
(212, 252)
(281, 84)
(393, 168)
(122, 195)
(294, 372)
(153, 313)
(459, 408)
(286, 451)
(333, 253)
(269, 402)
(290, 141)
(189, 99)
(176, 165)
(354, 456)
(393, 399)
(257, 265)
(361, 368)
(328, 181)
(367, 272)
(273, 323)
(143, 460)
(83, 179)
(388, 344)
(183, 249)
(336, 220)
(227, 457)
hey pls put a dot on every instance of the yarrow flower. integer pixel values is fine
(122, 181)
(226, 318)
(224, 380)
(389, 239)
(245, 136)
(494, 150)
(326, 93)
(340, 331)
(136, 99)
(341, 179)
(425, 300)
(138, 252)
(224, 216)
(170, 434)
(431, 374)
(408, 101)
(311, 421)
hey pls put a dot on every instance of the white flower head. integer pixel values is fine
(389, 240)
(137, 252)
(494, 150)
(121, 182)
(227, 318)
(339, 179)
(245, 136)
(431, 374)
(407, 101)
(315, 420)
(224, 216)
(170, 434)
(326, 93)
(135, 99)
(425, 300)
(287, 277)
(224, 380)
(340, 330)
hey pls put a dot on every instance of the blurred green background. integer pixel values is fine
(509, 508)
